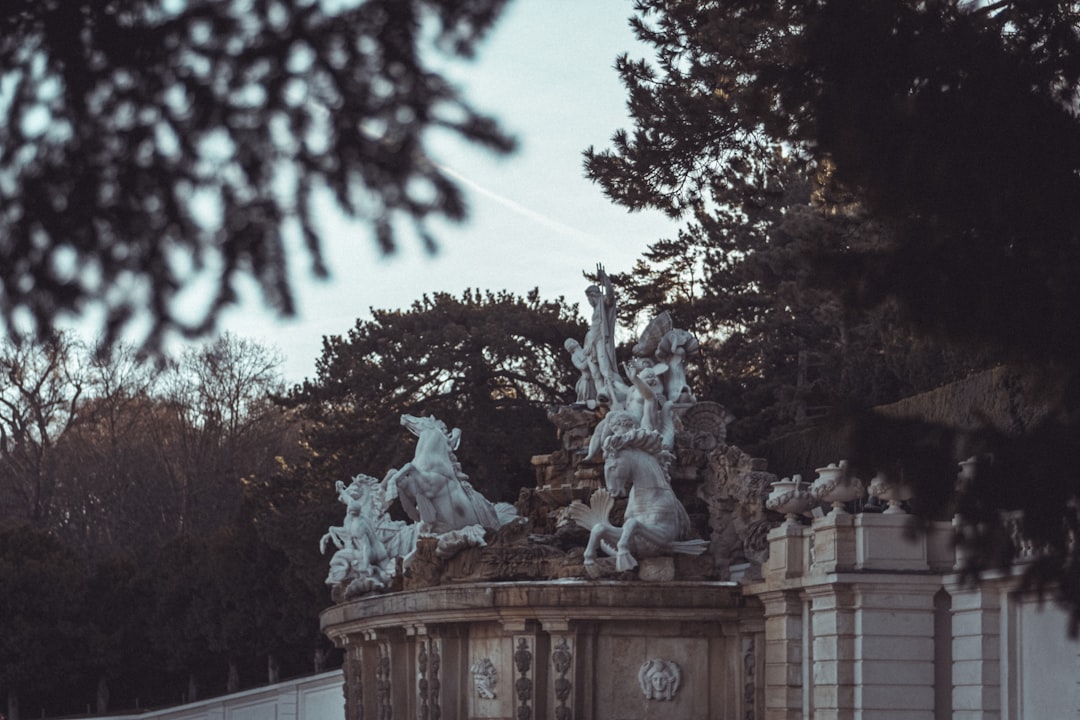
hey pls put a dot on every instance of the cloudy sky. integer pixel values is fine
(547, 73)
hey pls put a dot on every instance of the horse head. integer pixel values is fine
(418, 426)
(632, 456)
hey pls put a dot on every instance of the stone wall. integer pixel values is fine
(865, 620)
(319, 697)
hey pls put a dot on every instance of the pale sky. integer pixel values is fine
(547, 73)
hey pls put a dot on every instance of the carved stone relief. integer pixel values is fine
(423, 687)
(434, 683)
(659, 679)
(382, 683)
(484, 678)
(749, 684)
(354, 688)
(524, 685)
(562, 659)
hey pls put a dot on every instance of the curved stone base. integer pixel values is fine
(561, 649)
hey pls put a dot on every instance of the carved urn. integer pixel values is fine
(834, 485)
(790, 496)
(894, 493)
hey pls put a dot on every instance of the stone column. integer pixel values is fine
(783, 654)
(976, 650)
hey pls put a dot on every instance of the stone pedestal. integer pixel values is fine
(789, 551)
(883, 543)
(833, 543)
(976, 651)
(559, 649)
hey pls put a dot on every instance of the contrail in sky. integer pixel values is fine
(519, 208)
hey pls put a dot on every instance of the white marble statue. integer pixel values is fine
(585, 388)
(675, 348)
(432, 488)
(662, 342)
(646, 408)
(655, 521)
(368, 542)
(649, 405)
(599, 345)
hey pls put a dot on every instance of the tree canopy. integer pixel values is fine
(146, 146)
(489, 363)
(945, 141)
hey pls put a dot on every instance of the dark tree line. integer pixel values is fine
(130, 560)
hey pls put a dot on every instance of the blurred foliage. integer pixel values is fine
(148, 146)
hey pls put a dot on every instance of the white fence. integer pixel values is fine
(316, 697)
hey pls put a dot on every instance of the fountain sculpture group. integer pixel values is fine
(607, 588)
(635, 422)
(634, 580)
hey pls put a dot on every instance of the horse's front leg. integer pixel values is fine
(623, 559)
(595, 535)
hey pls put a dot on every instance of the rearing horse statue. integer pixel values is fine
(655, 522)
(432, 488)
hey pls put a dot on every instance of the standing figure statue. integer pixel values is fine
(674, 349)
(585, 388)
(599, 345)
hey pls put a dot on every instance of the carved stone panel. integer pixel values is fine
(562, 661)
(523, 685)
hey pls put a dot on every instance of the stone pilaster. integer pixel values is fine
(524, 676)
(976, 651)
(783, 655)
(894, 654)
(423, 680)
(435, 678)
(833, 627)
(384, 685)
(354, 681)
(561, 693)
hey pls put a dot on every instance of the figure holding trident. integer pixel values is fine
(599, 345)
